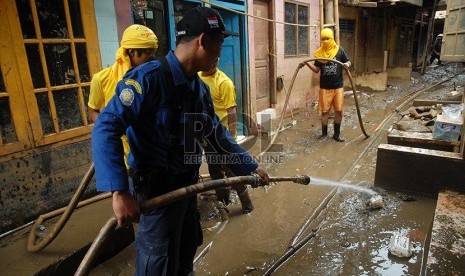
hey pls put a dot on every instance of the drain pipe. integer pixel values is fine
(148, 205)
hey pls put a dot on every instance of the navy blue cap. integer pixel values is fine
(201, 20)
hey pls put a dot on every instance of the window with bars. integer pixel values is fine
(53, 46)
(296, 37)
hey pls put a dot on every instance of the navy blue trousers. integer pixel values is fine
(167, 237)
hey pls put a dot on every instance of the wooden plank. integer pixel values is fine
(423, 102)
(421, 140)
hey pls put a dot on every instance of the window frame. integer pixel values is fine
(23, 103)
(296, 29)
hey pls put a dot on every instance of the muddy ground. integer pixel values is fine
(349, 238)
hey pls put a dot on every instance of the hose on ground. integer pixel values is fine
(39, 238)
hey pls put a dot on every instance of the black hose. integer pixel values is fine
(148, 205)
(290, 251)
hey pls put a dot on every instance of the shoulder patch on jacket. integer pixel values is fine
(126, 97)
(134, 83)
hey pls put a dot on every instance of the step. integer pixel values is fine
(423, 140)
(417, 170)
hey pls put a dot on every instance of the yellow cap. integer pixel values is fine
(327, 33)
(139, 37)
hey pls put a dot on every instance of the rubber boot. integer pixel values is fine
(324, 132)
(222, 194)
(337, 133)
(244, 197)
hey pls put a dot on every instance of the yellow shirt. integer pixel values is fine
(223, 94)
(102, 89)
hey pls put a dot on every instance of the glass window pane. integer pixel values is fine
(67, 107)
(52, 18)
(6, 123)
(81, 55)
(303, 40)
(75, 14)
(290, 30)
(59, 64)
(290, 46)
(45, 115)
(303, 31)
(289, 15)
(35, 65)
(85, 94)
(25, 18)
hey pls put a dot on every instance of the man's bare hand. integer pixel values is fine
(125, 207)
(265, 179)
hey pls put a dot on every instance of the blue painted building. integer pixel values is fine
(161, 16)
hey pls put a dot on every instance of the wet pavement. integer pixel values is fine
(350, 239)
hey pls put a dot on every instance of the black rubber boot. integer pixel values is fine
(337, 133)
(244, 197)
(324, 132)
(222, 194)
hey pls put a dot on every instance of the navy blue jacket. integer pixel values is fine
(164, 132)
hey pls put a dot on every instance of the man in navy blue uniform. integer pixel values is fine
(167, 114)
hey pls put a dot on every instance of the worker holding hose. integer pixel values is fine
(331, 82)
(166, 112)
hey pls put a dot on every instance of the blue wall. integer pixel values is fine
(107, 31)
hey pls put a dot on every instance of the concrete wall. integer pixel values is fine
(374, 81)
(417, 170)
(40, 182)
(303, 91)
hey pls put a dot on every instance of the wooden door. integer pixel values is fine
(453, 42)
(262, 57)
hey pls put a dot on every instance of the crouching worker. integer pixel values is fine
(159, 106)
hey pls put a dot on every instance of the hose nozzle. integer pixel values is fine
(302, 179)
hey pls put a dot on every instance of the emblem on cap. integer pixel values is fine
(126, 97)
(213, 21)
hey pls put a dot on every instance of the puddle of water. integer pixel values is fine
(326, 182)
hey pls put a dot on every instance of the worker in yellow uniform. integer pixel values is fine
(223, 94)
(331, 82)
(138, 45)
